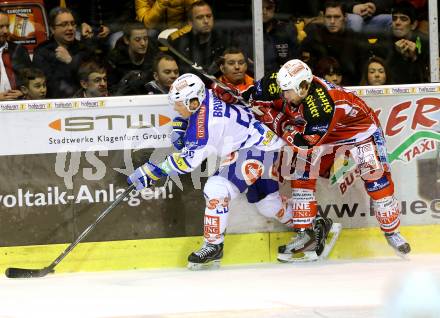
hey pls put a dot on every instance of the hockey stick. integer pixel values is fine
(13, 272)
(163, 39)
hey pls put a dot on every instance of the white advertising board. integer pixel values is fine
(410, 117)
(114, 123)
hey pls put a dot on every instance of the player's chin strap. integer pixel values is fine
(163, 39)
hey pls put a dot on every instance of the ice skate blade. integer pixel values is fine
(204, 266)
(300, 257)
(331, 239)
(403, 255)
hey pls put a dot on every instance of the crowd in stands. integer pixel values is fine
(109, 47)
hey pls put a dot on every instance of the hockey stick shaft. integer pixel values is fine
(26, 273)
(163, 39)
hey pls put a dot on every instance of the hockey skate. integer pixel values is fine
(398, 243)
(207, 257)
(312, 244)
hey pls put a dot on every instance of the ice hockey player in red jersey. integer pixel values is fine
(322, 122)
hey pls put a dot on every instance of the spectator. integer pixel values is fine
(202, 45)
(135, 51)
(405, 50)
(421, 7)
(371, 17)
(165, 72)
(103, 20)
(162, 14)
(334, 39)
(280, 44)
(93, 80)
(375, 72)
(329, 69)
(233, 66)
(408, 58)
(303, 14)
(60, 56)
(13, 57)
(32, 83)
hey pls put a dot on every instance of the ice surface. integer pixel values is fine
(325, 289)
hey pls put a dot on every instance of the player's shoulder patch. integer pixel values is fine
(267, 88)
(318, 106)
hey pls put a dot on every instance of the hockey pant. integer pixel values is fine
(249, 170)
(374, 169)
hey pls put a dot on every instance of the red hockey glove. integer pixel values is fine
(272, 119)
(227, 95)
(306, 142)
(258, 106)
(289, 131)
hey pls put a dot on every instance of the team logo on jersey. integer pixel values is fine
(212, 204)
(252, 170)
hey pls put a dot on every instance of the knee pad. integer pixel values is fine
(387, 213)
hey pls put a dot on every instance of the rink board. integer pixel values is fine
(64, 161)
(239, 249)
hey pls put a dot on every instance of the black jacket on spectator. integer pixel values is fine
(19, 58)
(403, 71)
(205, 55)
(152, 88)
(121, 65)
(61, 78)
(280, 44)
(343, 46)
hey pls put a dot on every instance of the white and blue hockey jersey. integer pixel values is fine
(219, 129)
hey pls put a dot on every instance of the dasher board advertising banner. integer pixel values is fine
(75, 125)
(56, 179)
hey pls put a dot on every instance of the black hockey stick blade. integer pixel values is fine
(13, 272)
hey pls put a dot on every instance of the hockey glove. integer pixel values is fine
(272, 119)
(179, 129)
(145, 175)
(227, 95)
(294, 136)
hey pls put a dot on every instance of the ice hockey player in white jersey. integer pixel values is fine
(249, 150)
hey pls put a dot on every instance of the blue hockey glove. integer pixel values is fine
(145, 175)
(179, 129)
